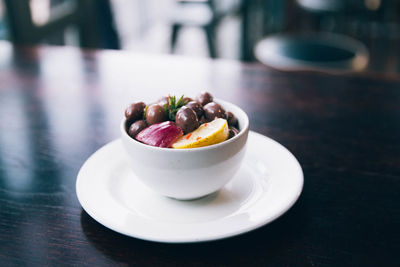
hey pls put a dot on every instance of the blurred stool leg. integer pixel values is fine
(210, 34)
(174, 36)
(106, 21)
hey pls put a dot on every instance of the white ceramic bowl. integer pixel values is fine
(188, 173)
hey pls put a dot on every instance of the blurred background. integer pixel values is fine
(252, 30)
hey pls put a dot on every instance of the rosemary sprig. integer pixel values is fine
(145, 111)
(173, 106)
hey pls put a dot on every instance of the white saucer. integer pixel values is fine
(268, 183)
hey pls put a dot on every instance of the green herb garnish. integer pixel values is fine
(173, 106)
(145, 111)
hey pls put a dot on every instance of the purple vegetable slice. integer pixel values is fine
(162, 134)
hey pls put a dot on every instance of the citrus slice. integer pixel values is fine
(207, 134)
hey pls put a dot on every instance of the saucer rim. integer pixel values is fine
(204, 238)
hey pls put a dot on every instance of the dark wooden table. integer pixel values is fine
(59, 105)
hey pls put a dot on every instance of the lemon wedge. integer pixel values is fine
(207, 134)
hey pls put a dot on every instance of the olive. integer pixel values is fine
(213, 110)
(204, 98)
(136, 128)
(186, 100)
(196, 107)
(232, 132)
(186, 119)
(155, 114)
(163, 100)
(135, 111)
(203, 120)
(232, 120)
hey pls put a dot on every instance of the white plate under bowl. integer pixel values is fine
(268, 183)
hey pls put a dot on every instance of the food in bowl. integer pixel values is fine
(181, 123)
(187, 173)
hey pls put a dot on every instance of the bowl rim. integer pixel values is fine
(223, 103)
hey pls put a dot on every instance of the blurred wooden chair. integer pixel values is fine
(205, 14)
(198, 13)
(92, 18)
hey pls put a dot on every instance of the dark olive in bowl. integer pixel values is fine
(135, 111)
(186, 100)
(163, 101)
(155, 114)
(196, 106)
(232, 132)
(204, 98)
(213, 110)
(232, 120)
(136, 128)
(186, 119)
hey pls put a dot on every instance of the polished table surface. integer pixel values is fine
(58, 105)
